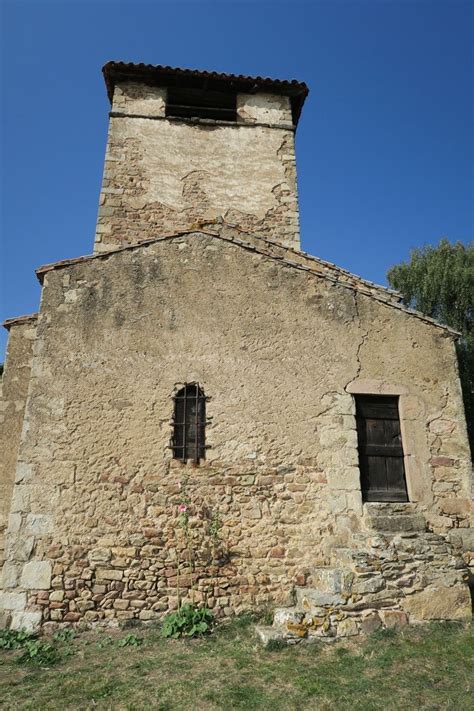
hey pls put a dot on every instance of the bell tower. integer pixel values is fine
(187, 147)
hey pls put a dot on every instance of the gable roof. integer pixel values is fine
(161, 75)
(307, 263)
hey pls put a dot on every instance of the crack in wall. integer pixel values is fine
(364, 337)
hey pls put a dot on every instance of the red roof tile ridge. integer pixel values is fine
(112, 64)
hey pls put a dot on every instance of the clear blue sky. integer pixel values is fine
(384, 147)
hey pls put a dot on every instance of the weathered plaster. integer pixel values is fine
(264, 108)
(166, 175)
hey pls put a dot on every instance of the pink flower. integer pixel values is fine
(182, 508)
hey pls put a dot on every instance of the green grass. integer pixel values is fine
(422, 668)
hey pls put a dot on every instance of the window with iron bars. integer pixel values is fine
(189, 423)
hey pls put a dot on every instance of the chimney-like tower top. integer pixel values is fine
(187, 147)
(203, 81)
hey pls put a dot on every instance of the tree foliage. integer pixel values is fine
(439, 281)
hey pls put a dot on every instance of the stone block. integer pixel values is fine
(439, 603)
(455, 507)
(38, 524)
(396, 524)
(370, 623)
(442, 461)
(57, 596)
(331, 580)
(148, 615)
(268, 634)
(9, 578)
(368, 585)
(12, 601)
(343, 476)
(465, 536)
(36, 575)
(24, 472)
(29, 621)
(5, 619)
(14, 522)
(20, 548)
(347, 628)
(282, 615)
(308, 598)
(393, 619)
(109, 574)
(296, 630)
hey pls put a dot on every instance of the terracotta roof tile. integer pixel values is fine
(19, 320)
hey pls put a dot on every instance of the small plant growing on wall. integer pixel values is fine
(189, 620)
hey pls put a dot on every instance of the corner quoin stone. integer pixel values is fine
(36, 575)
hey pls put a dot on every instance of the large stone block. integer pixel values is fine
(347, 628)
(36, 575)
(439, 603)
(38, 524)
(308, 598)
(29, 621)
(9, 577)
(12, 601)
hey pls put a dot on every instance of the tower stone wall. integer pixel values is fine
(164, 174)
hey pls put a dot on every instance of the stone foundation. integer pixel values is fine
(395, 573)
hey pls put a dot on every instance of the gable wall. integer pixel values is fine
(95, 533)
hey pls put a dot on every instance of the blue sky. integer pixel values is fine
(384, 147)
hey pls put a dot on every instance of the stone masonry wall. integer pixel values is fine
(13, 392)
(164, 175)
(94, 534)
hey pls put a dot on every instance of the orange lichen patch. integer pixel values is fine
(299, 630)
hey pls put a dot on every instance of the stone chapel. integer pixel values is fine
(202, 411)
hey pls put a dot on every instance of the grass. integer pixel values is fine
(422, 668)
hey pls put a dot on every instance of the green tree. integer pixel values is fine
(439, 281)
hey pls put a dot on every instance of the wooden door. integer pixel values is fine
(380, 449)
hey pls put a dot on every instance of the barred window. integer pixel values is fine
(189, 423)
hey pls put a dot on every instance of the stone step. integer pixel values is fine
(267, 634)
(308, 599)
(393, 518)
(393, 523)
(329, 579)
(380, 508)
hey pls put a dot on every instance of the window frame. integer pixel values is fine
(188, 440)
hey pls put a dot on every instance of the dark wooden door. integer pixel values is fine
(380, 449)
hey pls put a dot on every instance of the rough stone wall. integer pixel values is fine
(13, 392)
(392, 574)
(163, 175)
(93, 532)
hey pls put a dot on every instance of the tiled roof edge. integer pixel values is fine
(151, 73)
(19, 320)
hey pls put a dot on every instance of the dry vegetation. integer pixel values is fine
(420, 668)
